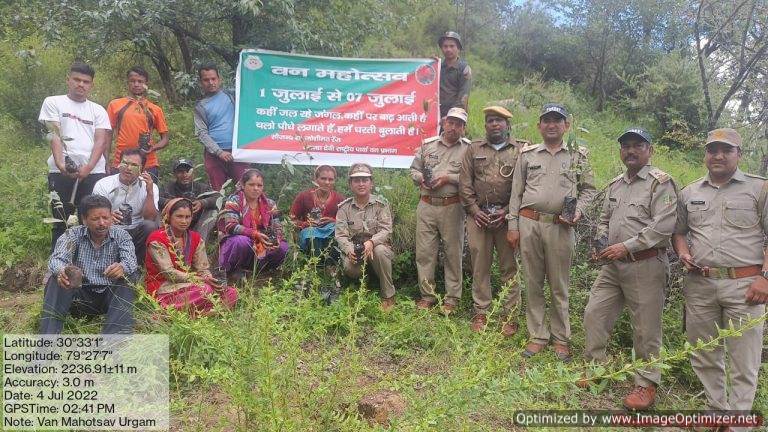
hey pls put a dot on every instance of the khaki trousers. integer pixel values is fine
(639, 285)
(434, 223)
(481, 244)
(382, 266)
(547, 250)
(712, 303)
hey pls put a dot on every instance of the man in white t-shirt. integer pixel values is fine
(78, 132)
(134, 199)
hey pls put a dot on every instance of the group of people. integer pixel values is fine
(502, 193)
(513, 197)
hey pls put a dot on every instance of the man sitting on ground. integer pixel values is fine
(92, 265)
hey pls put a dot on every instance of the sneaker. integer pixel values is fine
(640, 398)
(532, 349)
(478, 323)
(509, 329)
(388, 304)
(562, 352)
(448, 308)
(424, 304)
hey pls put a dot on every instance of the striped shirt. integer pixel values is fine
(75, 247)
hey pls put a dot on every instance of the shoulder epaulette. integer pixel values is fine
(466, 141)
(346, 201)
(615, 179)
(431, 139)
(695, 181)
(522, 143)
(529, 147)
(755, 176)
(659, 175)
(380, 199)
(584, 151)
(478, 141)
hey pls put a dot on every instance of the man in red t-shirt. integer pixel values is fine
(133, 118)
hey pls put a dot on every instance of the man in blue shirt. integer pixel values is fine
(91, 266)
(214, 126)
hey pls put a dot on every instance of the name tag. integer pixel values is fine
(612, 199)
(432, 156)
(480, 158)
(698, 202)
(351, 223)
(532, 167)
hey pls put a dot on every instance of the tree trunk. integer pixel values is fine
(240, 34)
(186, 55)
(164, 71)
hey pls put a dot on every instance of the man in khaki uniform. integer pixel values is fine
(724, 217)
(636, 223)
(439, 215)
(366, 219)
(484, 185)
(545, 175)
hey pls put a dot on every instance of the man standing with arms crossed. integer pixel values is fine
(439, 215)
(636, 223)
(485, 183)
(724, 218)
(78, 130)
(214, 127)
(545, 175)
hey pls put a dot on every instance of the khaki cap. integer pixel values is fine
(458, 113)
(360, 170)
(724, 135)
(498, 111)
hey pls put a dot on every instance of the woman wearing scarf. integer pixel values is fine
(314, 212)
(178, 272)
(249, 229)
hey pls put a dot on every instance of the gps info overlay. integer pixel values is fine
(85, 382)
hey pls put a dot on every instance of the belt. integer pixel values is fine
(538, 216)
(440, 201)
(642, 255)
(729, 272)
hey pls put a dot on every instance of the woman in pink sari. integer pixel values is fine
(178, 272)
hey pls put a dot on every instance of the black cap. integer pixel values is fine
(183, 162)
(555, 108)
(638, 132)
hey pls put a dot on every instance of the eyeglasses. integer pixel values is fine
(129, 164)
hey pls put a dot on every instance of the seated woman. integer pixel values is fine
(178, 272)
(314, 211)
(249, 229)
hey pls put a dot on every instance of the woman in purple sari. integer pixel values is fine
(251, 236)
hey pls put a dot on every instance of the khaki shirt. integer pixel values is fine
(724, 225)
(543, 180)
(444, 160)
(639, 212)
(371, 222)
(481, 182)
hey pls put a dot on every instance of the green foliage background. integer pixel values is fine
(281, 361)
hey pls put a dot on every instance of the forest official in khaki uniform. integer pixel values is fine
(366, 219)
(439, 215)
(485, 183)
(545, 175)
(724, 217)
(636, 224)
